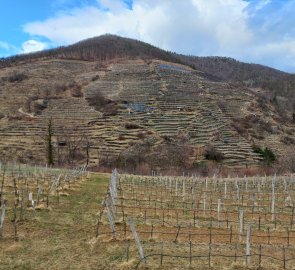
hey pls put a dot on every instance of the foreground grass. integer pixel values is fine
(60, 238)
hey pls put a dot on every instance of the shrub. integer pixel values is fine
(95, 78)
(97, 101)
(267, 154)
(131, 126)
(211, 153)
(17, 77)
(39, 107)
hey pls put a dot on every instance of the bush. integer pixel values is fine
(95, 78)
(211, 153)
(267, 154)
(17, 77)
(131, 126)
(97, 101)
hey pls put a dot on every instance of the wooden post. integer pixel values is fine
(231, 233)
(22, 205)
(259, 258)
(241, 223)
(195, 217)
(122, 206)
(162, 254)
(2, 187)
(125, 230)
(268, 235)
(288, 237)
(183, 190)
(273, 201)
(190, 253)
(284, 257)
(205, 204)
(248, 245)
(291, 225)
(15, 220)
(209, 256)
(210, 235)
(2, 217)
(219, 209)
(127, 249)
(177, 233)
(225, 190)
(238, 191)
(152, 230)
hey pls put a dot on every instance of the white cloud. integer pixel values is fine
(33, 46)
(199, 27)
(164, 23)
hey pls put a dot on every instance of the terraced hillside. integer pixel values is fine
(134, 111)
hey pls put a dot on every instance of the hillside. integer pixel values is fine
(251, 75)
(120, 102)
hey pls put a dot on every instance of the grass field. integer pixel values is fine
(62, 237)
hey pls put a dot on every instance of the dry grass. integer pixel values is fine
(62, 238)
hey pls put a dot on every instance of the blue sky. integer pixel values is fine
(256, 31)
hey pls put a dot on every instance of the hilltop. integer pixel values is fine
(121, 102)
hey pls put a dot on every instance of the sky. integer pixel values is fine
(253, 31)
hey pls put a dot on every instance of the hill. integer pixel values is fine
(119, 102)
(102, 48)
